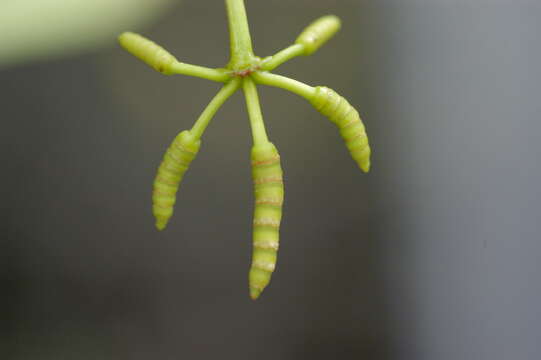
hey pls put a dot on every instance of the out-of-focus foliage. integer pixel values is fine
(40, 29)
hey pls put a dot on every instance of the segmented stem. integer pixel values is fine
(176, 161)
(268, 193)
(179, 156)
(348, 121)
(334, 107)
(269, 197)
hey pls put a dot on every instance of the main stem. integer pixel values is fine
(242, 56)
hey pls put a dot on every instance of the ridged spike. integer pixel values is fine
(175, 162)
(348, 121)
(269, 197)
(148, 51)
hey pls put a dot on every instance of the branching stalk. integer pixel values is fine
(246, 70)
(272, 62)
(254, 112)
(219, 75)
(283, 82)
(204, 119)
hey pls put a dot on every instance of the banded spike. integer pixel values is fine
(347, 119)
(148, 51)
(175, 162)
(269, 197)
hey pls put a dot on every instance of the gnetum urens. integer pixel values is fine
(245, 70)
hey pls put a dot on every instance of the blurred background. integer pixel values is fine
(433, 255)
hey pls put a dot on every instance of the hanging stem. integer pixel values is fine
(201, 124)
(254, 112)
(242, 55)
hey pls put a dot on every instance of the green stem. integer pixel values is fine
(242, 56)
(254, 111)
(219, 75)
(272, 62)
(225, 92)
(296, 87)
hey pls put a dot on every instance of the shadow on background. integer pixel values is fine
(433, 255)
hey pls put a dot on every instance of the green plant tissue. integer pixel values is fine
(33, 30)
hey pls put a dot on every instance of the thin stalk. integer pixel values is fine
(272, 62)
(204, 119)
(219, 75)
(254, 112)
(296, 87)
(242, 55)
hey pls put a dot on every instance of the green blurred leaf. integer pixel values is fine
(40, 29)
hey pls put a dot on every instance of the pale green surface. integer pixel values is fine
(246, 69)
(33, 30)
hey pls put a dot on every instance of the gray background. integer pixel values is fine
(433, 255)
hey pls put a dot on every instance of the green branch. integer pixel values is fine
(204, 119)
(310, 40)
(219, 75)
(254, 112)
(283, 82)
(272, 62)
